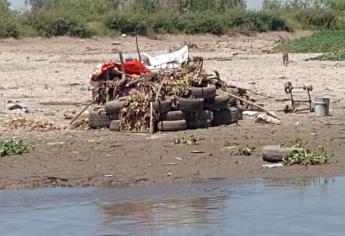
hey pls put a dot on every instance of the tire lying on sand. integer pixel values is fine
(191, 105)
(115, 106)
(199, 115)
(174, 125)
(172, 115)
(276, 153)
(204, 92)
(223, 117)
(219, 103)
(99, 120)
(227, 117)
(115, 125)
(199, 120)
(199, 124)
(162, 106)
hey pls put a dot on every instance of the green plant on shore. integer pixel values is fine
(12, 147)
(306, 157)
(302, 155)
(186, 139)
(330, 43)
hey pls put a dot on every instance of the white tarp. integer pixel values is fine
(169, 60)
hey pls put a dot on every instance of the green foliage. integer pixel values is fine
(57, 23)
(12, 147)
(258, 21)
(319, 42)
(199, 23)
(83, 18)
(307, 157)
(125, 23)
(302, 155)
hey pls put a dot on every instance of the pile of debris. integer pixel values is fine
(31, 125)
(141, 97)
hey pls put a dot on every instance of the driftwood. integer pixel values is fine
(254, 105)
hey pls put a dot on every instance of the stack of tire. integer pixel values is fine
(170, 119)
(218, 106)
(110, 118)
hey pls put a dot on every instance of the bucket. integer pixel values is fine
(322, 106)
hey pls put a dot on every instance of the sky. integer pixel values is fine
(20, 4)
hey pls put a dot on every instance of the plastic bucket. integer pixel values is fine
(322, 106)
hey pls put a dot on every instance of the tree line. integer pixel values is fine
(84, 18)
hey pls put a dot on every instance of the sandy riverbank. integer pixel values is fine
(42, 70)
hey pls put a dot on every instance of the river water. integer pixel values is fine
(306, 206)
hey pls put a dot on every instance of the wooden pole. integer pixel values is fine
(137, 43)
(151, 119)
(122, 65)
(79, 114)
(253, 104)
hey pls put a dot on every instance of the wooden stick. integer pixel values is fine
(136, 41)
(56, 103)
(253, 104)
(151, 119)
(82, 111)
(122, 65)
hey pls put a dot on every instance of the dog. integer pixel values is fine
(285, 58)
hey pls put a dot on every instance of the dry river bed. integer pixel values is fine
(33, 71)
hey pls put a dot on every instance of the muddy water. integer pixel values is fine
(258, 207)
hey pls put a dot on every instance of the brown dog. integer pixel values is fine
(285, 58)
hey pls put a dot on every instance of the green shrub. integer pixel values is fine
(8, 25)
(257, 21)
(316, 18)
(12, 147)
(198, 23)
(166, 23)
(331, 43)
(127, 24)
(57, 23)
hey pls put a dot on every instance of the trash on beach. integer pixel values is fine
(31, 125)
(168, 92)
(266, 119)
(270, 166)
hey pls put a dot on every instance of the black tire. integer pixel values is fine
(172, 115)
(220, 103)
(236, 114)
(275, 154)
(114, 116)
(199, 115)
(115, 106)
(204, 92)
(191, 105)
(199, 124)
(98, 120)
(222, 117)
(162, 106)
(115, 125)
(174, 125)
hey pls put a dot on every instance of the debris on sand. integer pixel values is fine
(31, 125)
(143, 98)
(187, 139)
